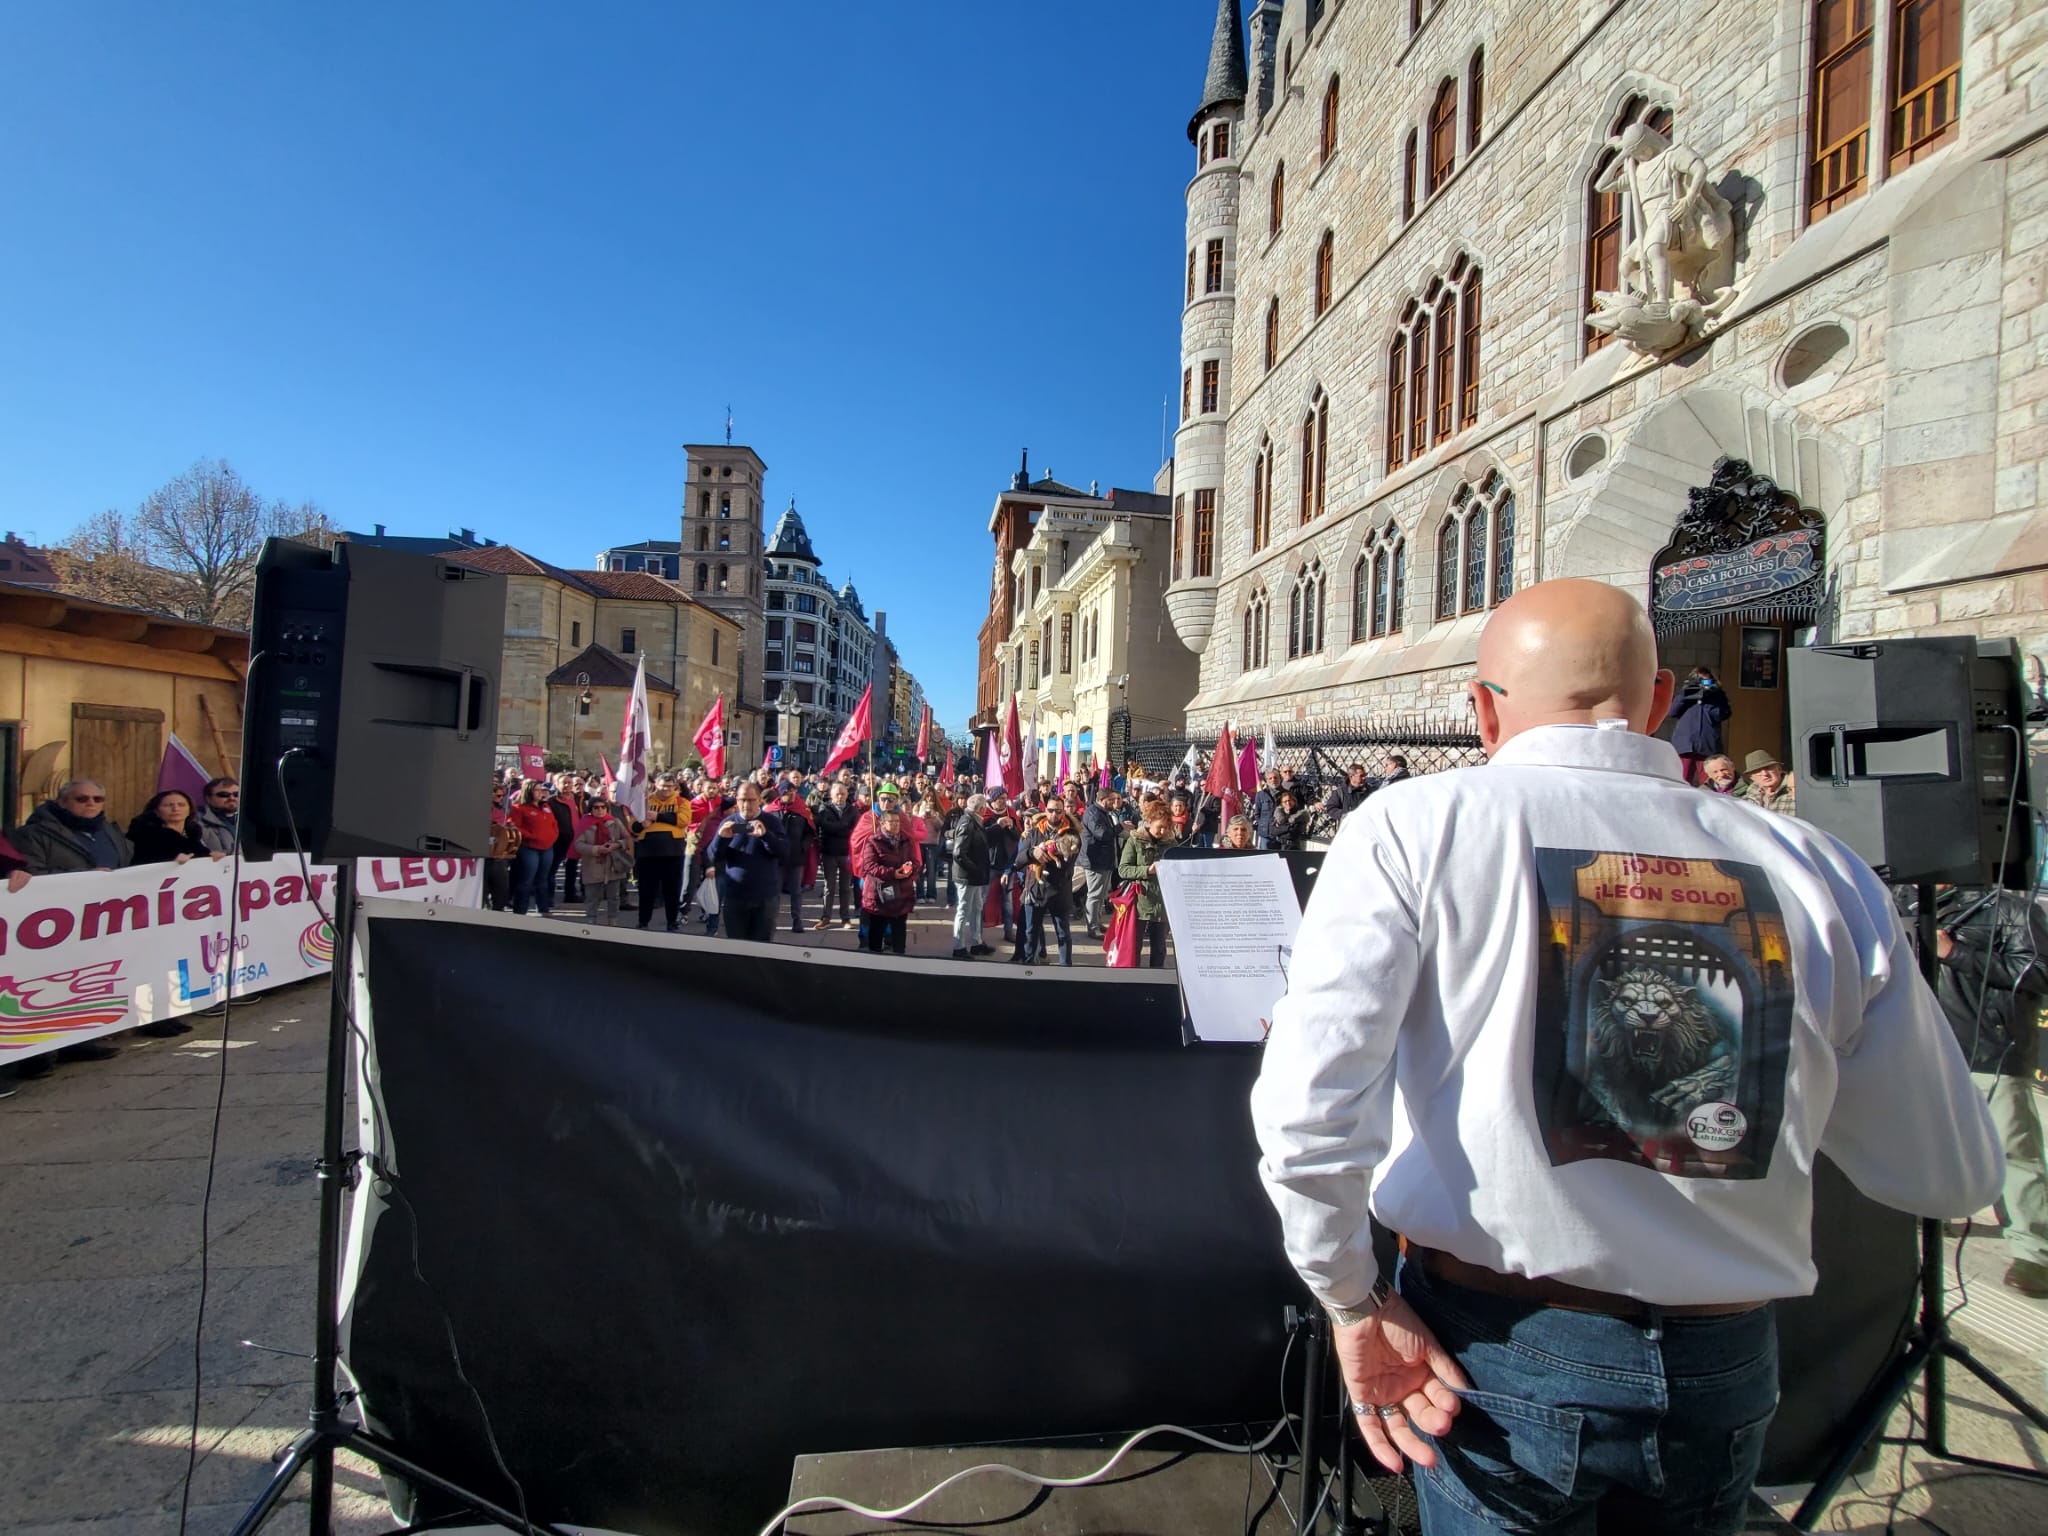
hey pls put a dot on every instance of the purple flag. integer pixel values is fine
(180, 770)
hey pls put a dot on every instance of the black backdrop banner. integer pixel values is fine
(692, 1209)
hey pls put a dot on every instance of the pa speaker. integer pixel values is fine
(372, 716)
(1907, 750)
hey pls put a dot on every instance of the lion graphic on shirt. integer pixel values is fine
(1658, 1050)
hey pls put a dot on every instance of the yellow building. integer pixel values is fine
(571, 633)
(90, 690)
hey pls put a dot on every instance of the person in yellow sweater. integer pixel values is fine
(659, 847)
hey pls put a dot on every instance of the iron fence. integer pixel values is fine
(1320, 756)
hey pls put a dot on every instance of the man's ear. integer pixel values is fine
(1488, 713)
(1660, 699)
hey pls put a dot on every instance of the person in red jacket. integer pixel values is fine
(533, 867)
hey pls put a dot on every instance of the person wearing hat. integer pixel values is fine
(1765, 784)
(888, 801)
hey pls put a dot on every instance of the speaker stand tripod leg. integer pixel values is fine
(289, 1463)
(1960, 1353)
(1890, 1393)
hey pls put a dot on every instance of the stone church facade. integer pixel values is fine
(1395, 411)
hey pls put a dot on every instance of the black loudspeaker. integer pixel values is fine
(372, 716)
(1909, 751)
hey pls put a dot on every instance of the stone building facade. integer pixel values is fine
(572, 633)
(818, 651)
(1089, 654)
(722, 555)
(1417, 205)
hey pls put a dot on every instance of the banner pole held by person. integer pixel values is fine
(636, 743)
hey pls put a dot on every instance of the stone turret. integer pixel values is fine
(1210, 309)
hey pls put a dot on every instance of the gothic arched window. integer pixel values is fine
(1256, 623)
(1262, 496)
(1272, 331)
(1276, 199)
(1475, 549)
(1443, 134)
(1305, 612)
(1326, 267)
(1315, 456)
(1408, 158)
(1433, 366)
(1475, 97)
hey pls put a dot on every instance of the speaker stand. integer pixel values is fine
(1930, 1345)
(331, 1429)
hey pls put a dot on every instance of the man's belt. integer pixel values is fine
(1546, 1292)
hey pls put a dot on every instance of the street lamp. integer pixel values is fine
(789, 717)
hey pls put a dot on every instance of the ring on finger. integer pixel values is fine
(1390, 1411)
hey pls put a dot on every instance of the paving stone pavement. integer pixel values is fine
(101, 1170)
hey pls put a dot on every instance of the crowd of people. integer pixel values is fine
(745, 854)
(70, 834)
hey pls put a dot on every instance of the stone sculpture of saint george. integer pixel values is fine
(1677, 267)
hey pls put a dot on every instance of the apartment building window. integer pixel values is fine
(1841, 87)
(627, 638)
(1212, 270)
(1272, 332)
(1066, 642)
(1927, 94)
(1203, 561)
(806, 634)
(1329, 142)
(773, 661)
(1276, 199)
(1180, 506)
(1326, 264)
(775, 630)
(1212, 372)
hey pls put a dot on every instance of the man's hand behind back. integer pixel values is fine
(1393, 1358)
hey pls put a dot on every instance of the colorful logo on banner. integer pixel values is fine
(1754, 573)
(316, 944)
(38, 1010)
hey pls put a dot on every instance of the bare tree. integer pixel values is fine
(107, 559)
(206, 527)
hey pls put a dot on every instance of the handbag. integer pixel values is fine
(1120, 938)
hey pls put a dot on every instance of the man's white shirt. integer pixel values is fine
(1567, 1016)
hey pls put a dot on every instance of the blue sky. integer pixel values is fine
(491, 265)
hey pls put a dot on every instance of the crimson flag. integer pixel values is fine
(1222, 779)
(710, 739)
(924, 734)
(1010, 752)
(848, 746)
(946, 774)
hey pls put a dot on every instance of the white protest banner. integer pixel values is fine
(88, 954)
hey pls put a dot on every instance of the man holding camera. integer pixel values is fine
(747, 853)
(1697, 715)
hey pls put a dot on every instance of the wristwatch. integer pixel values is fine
(1381, 1293)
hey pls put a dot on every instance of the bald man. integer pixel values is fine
(1576, 1032)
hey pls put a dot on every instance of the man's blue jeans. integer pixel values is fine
(1579, 1422)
